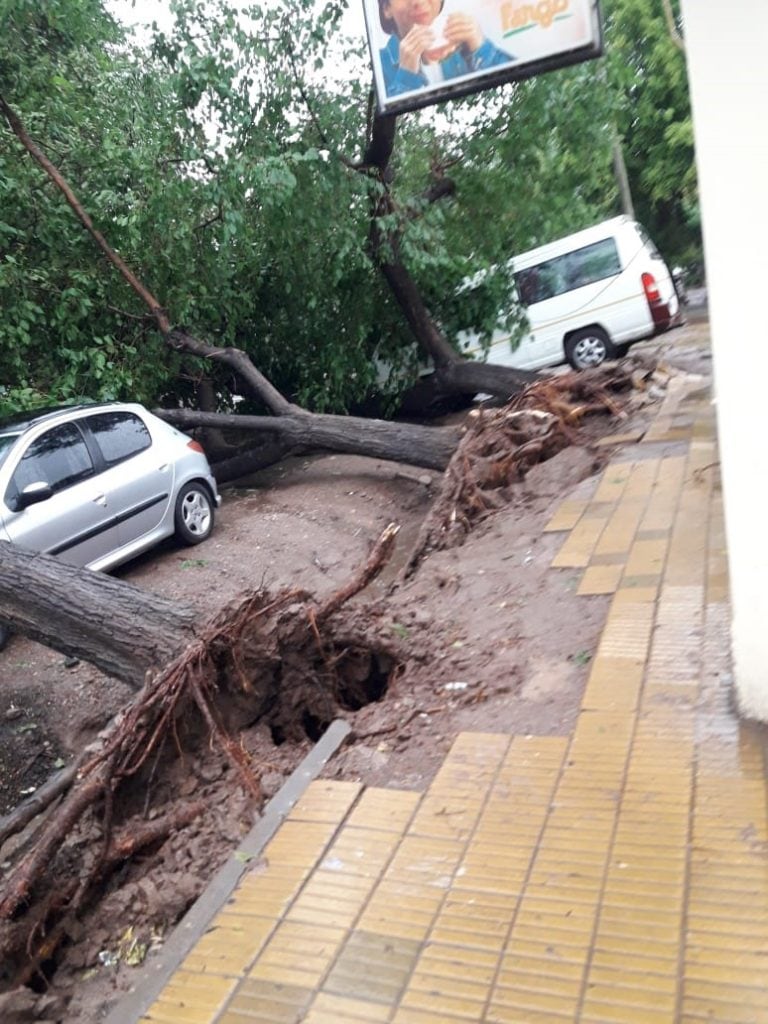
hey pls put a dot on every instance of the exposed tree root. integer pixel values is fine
(500, 445)
(272, 657)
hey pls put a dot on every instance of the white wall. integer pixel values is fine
(727, 50)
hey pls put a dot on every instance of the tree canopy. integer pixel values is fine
(224, 166)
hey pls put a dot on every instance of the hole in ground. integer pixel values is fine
(363, 677)
(40, 982)
(278, 735)
(313, 727)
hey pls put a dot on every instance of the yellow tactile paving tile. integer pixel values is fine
(627, 632)
(331, 1009)
(717, 563)
(436, 994)
(637, 590)
(646, 558)
(298, 843)
(265, 1002)
(326, 801)
(600, 579)
(613, 685)
(513, 1005)
(388, 810)
(451, 815)
(620, 530)
(578, 546)
(612, 483)
(229, 945)
(410, 1016)
(661, 509)
(190, 999)
(298, 954)
(566, 516)
(342, 1010)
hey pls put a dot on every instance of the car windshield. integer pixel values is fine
(7, 442)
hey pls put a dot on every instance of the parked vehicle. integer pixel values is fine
(98, 484)
(587, 297)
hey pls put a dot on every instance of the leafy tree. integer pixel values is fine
(59, 338)
(646, 73)
(226, 168)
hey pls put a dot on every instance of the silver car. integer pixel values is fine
(98, 484)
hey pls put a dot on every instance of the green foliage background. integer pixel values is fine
(218, 165)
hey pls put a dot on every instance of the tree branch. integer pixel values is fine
(176, 339)
(677, 39)
(40, 158)
(382, 141)
(311, 111)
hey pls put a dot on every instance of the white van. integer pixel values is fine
(587, 297)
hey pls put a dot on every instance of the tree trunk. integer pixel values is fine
(385, 249)
(431, 340)
(454, 374)
(120, 629)
(471, 377)
(430, 447)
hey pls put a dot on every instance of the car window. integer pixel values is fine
(572, 270)
(119, 435)
(59, 458)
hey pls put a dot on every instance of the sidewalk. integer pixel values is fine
(618, 875)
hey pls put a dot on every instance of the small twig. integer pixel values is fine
(151, 779)
(378, 557)
(235, 753)
(142, 317)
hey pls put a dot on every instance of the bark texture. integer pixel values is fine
(430, 447)
(120, 629)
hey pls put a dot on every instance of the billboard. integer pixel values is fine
(424, 51)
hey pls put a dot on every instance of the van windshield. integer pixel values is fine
(565, 273)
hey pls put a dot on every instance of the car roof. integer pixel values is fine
(22, 421)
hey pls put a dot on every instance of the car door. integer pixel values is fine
(139, 472)
(73, 522)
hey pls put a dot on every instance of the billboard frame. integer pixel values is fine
(430, 95)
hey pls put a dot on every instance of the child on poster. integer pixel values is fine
(426, 47)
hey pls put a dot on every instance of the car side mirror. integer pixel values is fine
(32, 494)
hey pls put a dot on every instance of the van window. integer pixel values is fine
(564, 273)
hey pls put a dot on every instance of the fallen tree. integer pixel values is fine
(122, 630)
(283, 658)
(430, 447)
(289, 424)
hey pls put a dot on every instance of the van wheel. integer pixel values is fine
(589, 347)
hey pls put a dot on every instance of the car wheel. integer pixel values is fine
(589, 347)
(194, 513)
(5, 635)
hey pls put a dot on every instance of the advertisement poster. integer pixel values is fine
(424, 51)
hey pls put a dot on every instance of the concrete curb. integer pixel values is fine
(157, 972)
